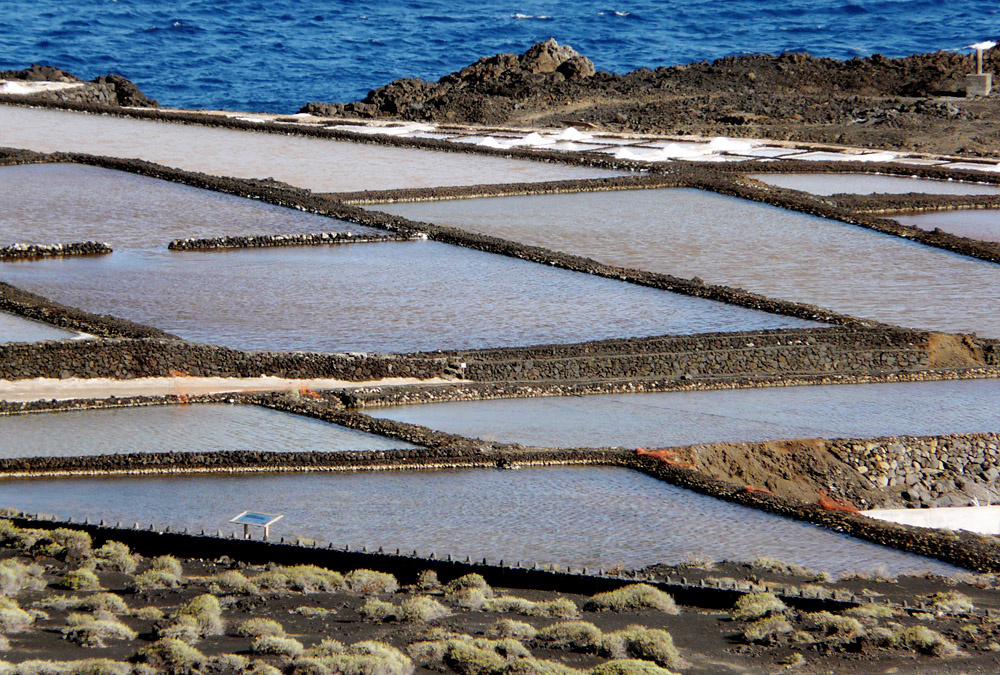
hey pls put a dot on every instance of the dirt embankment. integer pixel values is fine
(912, 103)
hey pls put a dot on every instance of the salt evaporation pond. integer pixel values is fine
(177, 428)
(869, 184)
(687, 418)
(726, 240)
(316, 164)
(63, 203)
(15, 329)
(384, 297)
(982, 224)
(581, 516)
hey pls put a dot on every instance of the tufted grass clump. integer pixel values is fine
(231, 582)
(88, 630)
(926, 641)
(421, 608)
(301, 578)
(13, 619)
(767, 630)
(377, 610)
(80, 580)
(206, 612)
(628, 667)
(871, 610)
(172, 656)
(362, 658)
(632, 598)
(952, 602)
(577, 635)
(167, 563)
(370, 582)
(647, 644)
(16, 577)
(756, 605)
(834, 627)
(561, 608)
(276, 646)
(116, 557)
(154, 580)
(259, 627)
(508, 628)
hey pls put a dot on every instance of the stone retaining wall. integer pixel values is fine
(273, 240)
(929, 471)
(35, 251)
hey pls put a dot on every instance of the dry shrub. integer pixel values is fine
(952, 602)
(926, 641)
(370, 582)
(833, 627)
(80, 580)
(276, 646)
(87, 630)
(472, 599)
(362, 658)
(648, 644)
(628, 667)
(172, 656)
(231, 583)
(149, 613)
(576, 635)
(183, 628)
(378, 610)
(561, 608)
(154, 580)
(871, 610)
(422, 608)
(631, 598)
(73, 544)
(767, 630)
(776, 566)
(206, 612)
(16, 577)
(13, 619)
(167, 563)
(97, 602)
(508, 628)
(467, 582)
(756, 605)
(259, 627)
(117, 557)
(302, 578)
(533, 666)
(83, 667)
(428, 580)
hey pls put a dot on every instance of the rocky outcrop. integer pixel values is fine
(34, 251)
(273, 240)
(494, 82)
(109, 90)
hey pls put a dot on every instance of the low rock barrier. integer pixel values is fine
(34, 251)
(273, 240)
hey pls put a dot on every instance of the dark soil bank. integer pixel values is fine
(913, 103)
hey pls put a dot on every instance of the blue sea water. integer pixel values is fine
(276, 55)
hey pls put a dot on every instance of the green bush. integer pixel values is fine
(277, 646)
(926, 641)
(13, 619)
(421, 608)
(508, 628)
(80, 580)
(89, 631)
(628, 667)
(631, 598)
(370, 582)
(577, 635)
(648, 644)
(757, 605)
(117, 557)
(259, 627)
(767, 630)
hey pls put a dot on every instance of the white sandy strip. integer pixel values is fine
(44, 388)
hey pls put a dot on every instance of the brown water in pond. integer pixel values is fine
(317, 164)
(868, 184)
(385, 297)
(688, 418)
(63, 203)
(205, 427)
(15, 329)
(725, 240)
(982, 224)
(581, 516)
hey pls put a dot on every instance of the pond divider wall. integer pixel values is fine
(275, 240)
(36, 251)
(406, 567)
